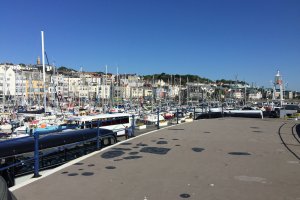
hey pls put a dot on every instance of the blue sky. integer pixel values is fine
(216, 39)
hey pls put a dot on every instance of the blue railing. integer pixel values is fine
(37, 157)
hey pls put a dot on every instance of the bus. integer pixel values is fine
(115, 122)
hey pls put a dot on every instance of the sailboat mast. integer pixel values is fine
(106, 100)
(179, 90)
(39, 96)
(118, 87)
(44, 72)
(80, 86)
(22, 86)
(4, 86)
(187, 90)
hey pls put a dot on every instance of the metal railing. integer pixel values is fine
(8, 167)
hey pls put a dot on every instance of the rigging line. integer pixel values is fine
(46, 57)
(54, 86)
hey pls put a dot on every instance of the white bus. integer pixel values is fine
(115, 122)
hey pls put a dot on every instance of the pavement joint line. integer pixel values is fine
(72, 162)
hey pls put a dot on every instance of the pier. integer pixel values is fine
(224, 158)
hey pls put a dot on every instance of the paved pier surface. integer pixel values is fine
(228, 158)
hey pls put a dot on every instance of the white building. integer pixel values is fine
(255, 96)
(7, 83)
(238, 94)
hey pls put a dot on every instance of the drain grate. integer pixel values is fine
(197, 149)
(72, 174)
(141, 145)
(126, 143)
(110, 167)
(121, 149)
(79, 163)
(185, 195)
(132, 157)
(239, 153)
(162, 142)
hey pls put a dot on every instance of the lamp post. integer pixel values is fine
(157, 117)
(202, 89)
(177, 116)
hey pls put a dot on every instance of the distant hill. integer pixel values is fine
(175, 78)
(169, 78)
(230, 82)
(65, 69)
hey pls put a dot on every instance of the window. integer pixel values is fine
(124, 120)
(114, 121)
(104, 122)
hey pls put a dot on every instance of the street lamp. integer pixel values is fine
(202, 90)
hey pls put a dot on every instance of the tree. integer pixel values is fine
(184, 78)
(65, 69)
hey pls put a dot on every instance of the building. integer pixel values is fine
(7, 83)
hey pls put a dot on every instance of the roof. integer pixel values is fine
(100, 116)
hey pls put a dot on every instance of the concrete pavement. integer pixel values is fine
(227, 158)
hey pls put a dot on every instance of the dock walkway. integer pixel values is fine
(227, 158)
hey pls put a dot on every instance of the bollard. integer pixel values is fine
(36, 156)
(157, 118)
(98, 134)
(177, 115)
(194, 113)
(202, 102)
(222, 111)
(133, 127)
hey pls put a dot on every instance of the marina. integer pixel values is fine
(41, 145)
(149, 100)
(37, 138)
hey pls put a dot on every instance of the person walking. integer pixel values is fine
(126, 133)
(131, 132)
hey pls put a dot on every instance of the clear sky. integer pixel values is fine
(216, 39)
